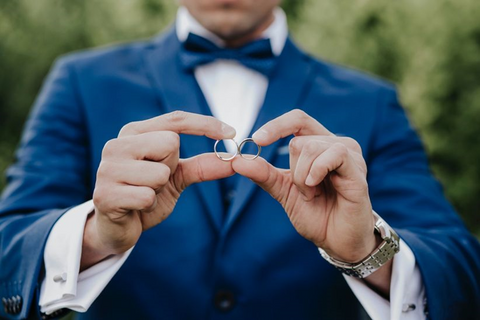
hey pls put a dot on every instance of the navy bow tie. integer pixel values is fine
(256, 55)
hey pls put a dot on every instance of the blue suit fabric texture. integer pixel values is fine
(249, 250)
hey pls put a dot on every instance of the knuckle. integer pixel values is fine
(119, 147)
(353, 144)
(294, 144)
(128, 129)
(176, 116)
(340, 149)
(147, 199)
(299, 113)
(109, 149)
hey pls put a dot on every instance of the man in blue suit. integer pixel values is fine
(132, 127)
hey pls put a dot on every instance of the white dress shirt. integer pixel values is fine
(235, 95)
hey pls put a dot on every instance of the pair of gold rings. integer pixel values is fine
(225, 156)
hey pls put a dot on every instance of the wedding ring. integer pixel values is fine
(225, 156)
(249, 156)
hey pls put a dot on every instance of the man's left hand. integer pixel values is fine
(325, 191)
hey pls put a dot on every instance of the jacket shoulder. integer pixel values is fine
(348, 78)
(101, 59)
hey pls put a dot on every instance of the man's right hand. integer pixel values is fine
(141, 177)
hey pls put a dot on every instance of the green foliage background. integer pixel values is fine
(430, 48)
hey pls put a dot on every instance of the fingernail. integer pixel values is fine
(261, 134)
(228, 131)
(309, 181)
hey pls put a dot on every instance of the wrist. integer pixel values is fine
(355, 247)
(380, 280)
(371, 243)
(379, 257)
(93, 250)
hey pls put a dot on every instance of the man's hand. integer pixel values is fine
(325, 191)
(141, 177)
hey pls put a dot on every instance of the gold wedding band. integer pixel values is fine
(223, 155)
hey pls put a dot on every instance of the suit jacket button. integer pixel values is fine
(224, 300)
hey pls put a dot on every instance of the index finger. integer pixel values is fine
(295, 122)
(181, 122)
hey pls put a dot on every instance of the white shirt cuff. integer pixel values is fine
(406, 290)
(64, 286)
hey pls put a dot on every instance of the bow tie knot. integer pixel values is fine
(256, 55)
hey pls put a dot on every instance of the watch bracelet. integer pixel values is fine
(381, 255)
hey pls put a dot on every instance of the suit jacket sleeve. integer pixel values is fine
(406, 195)
(48, 177)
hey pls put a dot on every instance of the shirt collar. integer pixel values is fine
(277, 32)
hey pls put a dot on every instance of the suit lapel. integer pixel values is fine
(178, 90)
(287, 87)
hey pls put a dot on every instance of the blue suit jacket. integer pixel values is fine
(250, 250)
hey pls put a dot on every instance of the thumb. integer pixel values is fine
(204, 167)
(261, 172)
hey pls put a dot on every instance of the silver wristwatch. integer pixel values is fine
(381, 255)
